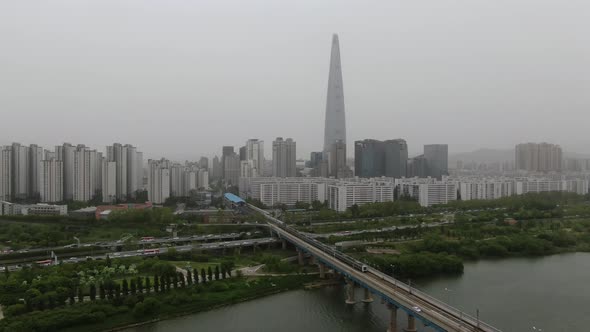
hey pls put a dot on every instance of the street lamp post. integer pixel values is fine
(393, 276)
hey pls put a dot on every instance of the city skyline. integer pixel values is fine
(416, 88)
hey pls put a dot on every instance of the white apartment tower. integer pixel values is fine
(158, 181)
(255, 152)
(52, 182)
(109, 181)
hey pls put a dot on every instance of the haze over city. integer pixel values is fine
(181, 79)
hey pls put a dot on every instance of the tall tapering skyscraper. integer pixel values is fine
(335, 127)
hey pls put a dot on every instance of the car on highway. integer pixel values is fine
(73, 259)
(416, 309)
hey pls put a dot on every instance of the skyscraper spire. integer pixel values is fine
(335, 127)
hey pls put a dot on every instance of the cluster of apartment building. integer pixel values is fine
(250, 161)
(373, 158)
(168, 179)
(496, 187)
(341, 194)
(538, 157)
(69, 172)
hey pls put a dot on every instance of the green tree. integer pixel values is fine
(175, 280)
(182, 279)
(125, 287)
(92, 292)
(110, 290)
(203, 275)
(133, 287)
(108, 261)
(72, 296)
(196, 275)
(209, 273)
(117, 291)
(101, 291)
(189, 277)
(156, 284)
(139, 283)
(80, 294)
(147, 284)
(165, 283)
(216, 272)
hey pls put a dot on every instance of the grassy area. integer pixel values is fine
(104, 315)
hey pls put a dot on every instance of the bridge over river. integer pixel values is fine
(392, 292)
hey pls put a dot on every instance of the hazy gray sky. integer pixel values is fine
(182, 78)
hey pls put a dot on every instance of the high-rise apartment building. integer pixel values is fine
(284, 158)
(203, 179)
(204, 163)
(109, 181)
(231, 169)
(118, 154)
(35, 158)
(20, 171)
(227, 151)
(65, 153)
(216, 168)
(437, 159)
(132, 169)
(375, 158)
(86, 178)
(139, 161)
(158, 181)
(337, 161)
(51, 181)
(255, 153)
(538, 157)
(5, 173)
(176, 180)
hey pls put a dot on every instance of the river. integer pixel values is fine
(549, 293)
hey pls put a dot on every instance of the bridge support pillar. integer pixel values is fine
(392, 318)
(368, 298)
(284, 244)
(350, 292)
(300, 257)
(411, 324)
(322, 267)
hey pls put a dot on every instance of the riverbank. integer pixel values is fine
(250, 289)
(121, 313)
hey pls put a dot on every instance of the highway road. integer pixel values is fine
(155, 241)
(156, 251)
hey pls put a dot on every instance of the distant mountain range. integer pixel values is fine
(495, 155)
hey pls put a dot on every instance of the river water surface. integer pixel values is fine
(549, 293)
